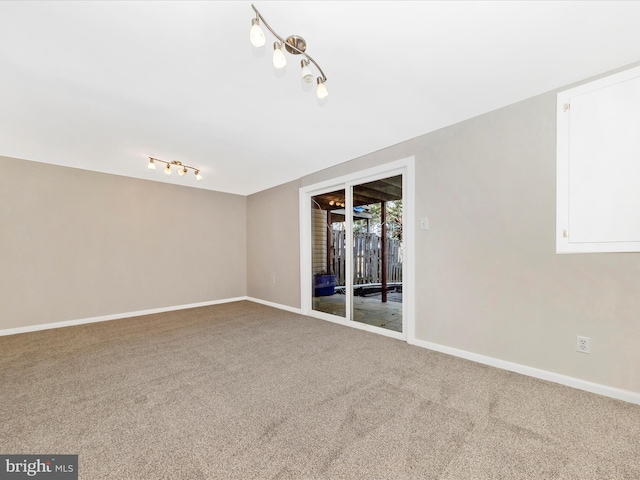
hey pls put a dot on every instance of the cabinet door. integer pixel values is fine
(598, 166)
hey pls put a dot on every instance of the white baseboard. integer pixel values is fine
(617, 393)
(117, 316)
(274, 305)
(612, 392)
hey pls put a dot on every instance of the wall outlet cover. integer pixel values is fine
(583, 344)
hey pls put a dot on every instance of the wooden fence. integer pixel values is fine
(367, 258)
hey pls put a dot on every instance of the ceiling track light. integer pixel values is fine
(307, 75)
(182, 168)
(321, 89)
(279, 59)
(256, 34)
(293, 44)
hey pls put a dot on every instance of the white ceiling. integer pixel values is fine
(103, 85)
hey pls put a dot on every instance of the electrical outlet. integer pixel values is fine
(583, 345)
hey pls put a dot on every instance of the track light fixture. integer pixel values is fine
(279, 60)
(182, 168)
(293, 44)
(307, 76)
(321, 90)
(256, 34)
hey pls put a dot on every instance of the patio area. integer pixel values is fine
(370, 309)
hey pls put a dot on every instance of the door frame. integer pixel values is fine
(404, 167)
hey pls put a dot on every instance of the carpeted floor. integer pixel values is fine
(245, 391)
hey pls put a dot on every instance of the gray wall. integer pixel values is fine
(76, 244)
(488, 280)
(273, 245)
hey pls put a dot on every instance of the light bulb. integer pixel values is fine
(321, 90)
(182, 171)
(256, 35)
(152, 166)
(279, 60)
(167, 169)
(307, 76)
(198, 176)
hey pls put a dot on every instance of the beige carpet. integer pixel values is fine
(245, 391)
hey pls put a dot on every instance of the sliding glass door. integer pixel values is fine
(377, 253)
(356, 261)
(328, 253)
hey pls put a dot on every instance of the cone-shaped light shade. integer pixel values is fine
(307, 76)
(151, 165)
(167, 169)
(279, 60)
(321, 90)
(256, 34)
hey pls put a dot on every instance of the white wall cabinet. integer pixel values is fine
(598, 166)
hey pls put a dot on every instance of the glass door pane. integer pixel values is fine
(328, 253)
(377, 253)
